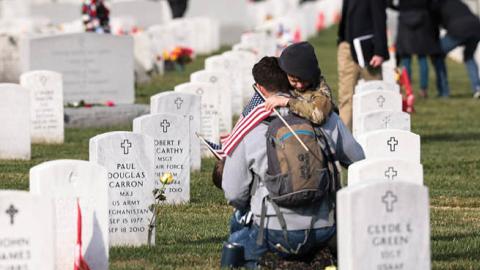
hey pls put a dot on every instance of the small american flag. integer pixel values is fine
(252, 115)
(216, 149)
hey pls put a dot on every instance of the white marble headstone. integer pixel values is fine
(383, 225)
(128, 158)
(187, 105)
(15, 141)
(376, 85)
(46, 105)
(375, 100)
(171, 146)
(95, 68)
(223, 64)
(65, 181)
(391, 143)
(27, 230)
(211, 121)
(381, 120)
(385, 169)
(145, 13)
(242, 63)
(220, 80)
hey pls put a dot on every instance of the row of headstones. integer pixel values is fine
(115, 191)
(32, 112)
(383, 213)
(100, 80)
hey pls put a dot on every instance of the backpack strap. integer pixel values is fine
(281, 220)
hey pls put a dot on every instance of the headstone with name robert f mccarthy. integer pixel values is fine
(171, 146)
(128, 158)
(46, 105)
(187, 105)
(66, 182)
(383, 226)
(15, 141)
(27, 231)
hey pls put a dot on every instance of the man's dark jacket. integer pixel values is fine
(364, 17)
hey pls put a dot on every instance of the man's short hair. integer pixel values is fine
(268, 74)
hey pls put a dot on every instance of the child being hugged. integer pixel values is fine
(311, 97)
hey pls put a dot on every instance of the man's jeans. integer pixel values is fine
(300, 242)
(449, 43)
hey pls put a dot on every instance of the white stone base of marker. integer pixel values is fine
(375, 100)
(383, 169)
(376, 85)
(381, 120)
(187, 105)
(27, 231)
(128, 158)
(391, 143)
(46, 105)
(15, 140)
(65, 181)
(171, 148)
(383, 225)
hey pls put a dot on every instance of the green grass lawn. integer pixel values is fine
(190, 236)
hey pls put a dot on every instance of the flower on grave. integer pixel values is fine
(159, 195)
(166, 178)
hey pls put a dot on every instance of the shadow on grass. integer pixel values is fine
(451, 137)
(456, 236)
(210, 240)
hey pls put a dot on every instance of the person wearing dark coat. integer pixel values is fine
(418, 34)
(178, 7)
(360, 18)
(463, 29)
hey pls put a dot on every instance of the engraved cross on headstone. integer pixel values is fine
(386, 121)
(213, 79)
(126, 146)
(392, 143)
(389, 199)
(199, 91)
(165, 125)
(380, 101)
(11, 211)
(178, 102)
(391, 173)
(43, 80)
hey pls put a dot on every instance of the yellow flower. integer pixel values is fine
(331, 268)
(167, 178)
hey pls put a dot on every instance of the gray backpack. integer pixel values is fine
(296, 176)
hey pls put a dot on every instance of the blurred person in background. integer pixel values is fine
(179, 7)
(463, 29)
(359, 18)
(418, 34)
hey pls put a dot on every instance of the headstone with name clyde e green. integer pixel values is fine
(383, 226)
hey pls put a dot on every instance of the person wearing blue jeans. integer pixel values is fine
(449, 43)
(418, 34)
(301, 230)
(463, 29)
(423, 65)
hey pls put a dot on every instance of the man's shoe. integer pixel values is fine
(477, 94)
